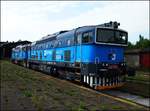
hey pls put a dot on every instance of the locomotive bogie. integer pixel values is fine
(100, 82)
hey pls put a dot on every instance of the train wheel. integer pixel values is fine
(91, 81)
(27, 64)
(55, 72)
(82, 78)
(24, 64)
(51, 71)
(70, 76)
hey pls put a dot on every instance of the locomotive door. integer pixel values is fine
(78, 55)
(78, 49)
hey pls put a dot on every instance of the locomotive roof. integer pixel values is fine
(66, 34)
(89, 28)
(70, 33)
(20, 46)
(50, 37)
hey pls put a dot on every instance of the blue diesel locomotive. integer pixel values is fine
(93, 54)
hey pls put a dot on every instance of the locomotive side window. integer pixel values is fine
(41, 47)
(60, 43)
(87, 37)
(44, 46)
(47, 46)
(56, 44)
(68, 42)
(105, 35)
(79, 36)
(51, 44)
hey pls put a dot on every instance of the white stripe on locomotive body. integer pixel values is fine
(91, 81)
(84, 78)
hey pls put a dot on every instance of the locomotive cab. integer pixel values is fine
(106, 68)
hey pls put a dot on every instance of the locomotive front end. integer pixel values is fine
(107, 69)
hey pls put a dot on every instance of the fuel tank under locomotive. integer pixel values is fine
(103, 75)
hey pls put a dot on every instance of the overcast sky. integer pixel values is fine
(31, 20)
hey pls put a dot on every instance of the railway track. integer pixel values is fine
(119, 96)
(114, 94)
(130, 97)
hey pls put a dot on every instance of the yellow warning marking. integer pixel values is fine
(108, 87)
(112, 97)
(109, 96)
(121, 100)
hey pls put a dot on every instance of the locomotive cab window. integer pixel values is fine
(121, 37)
(87, 37)
(111, 36)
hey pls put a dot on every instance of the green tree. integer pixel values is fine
(130, 45)
(140, 44)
